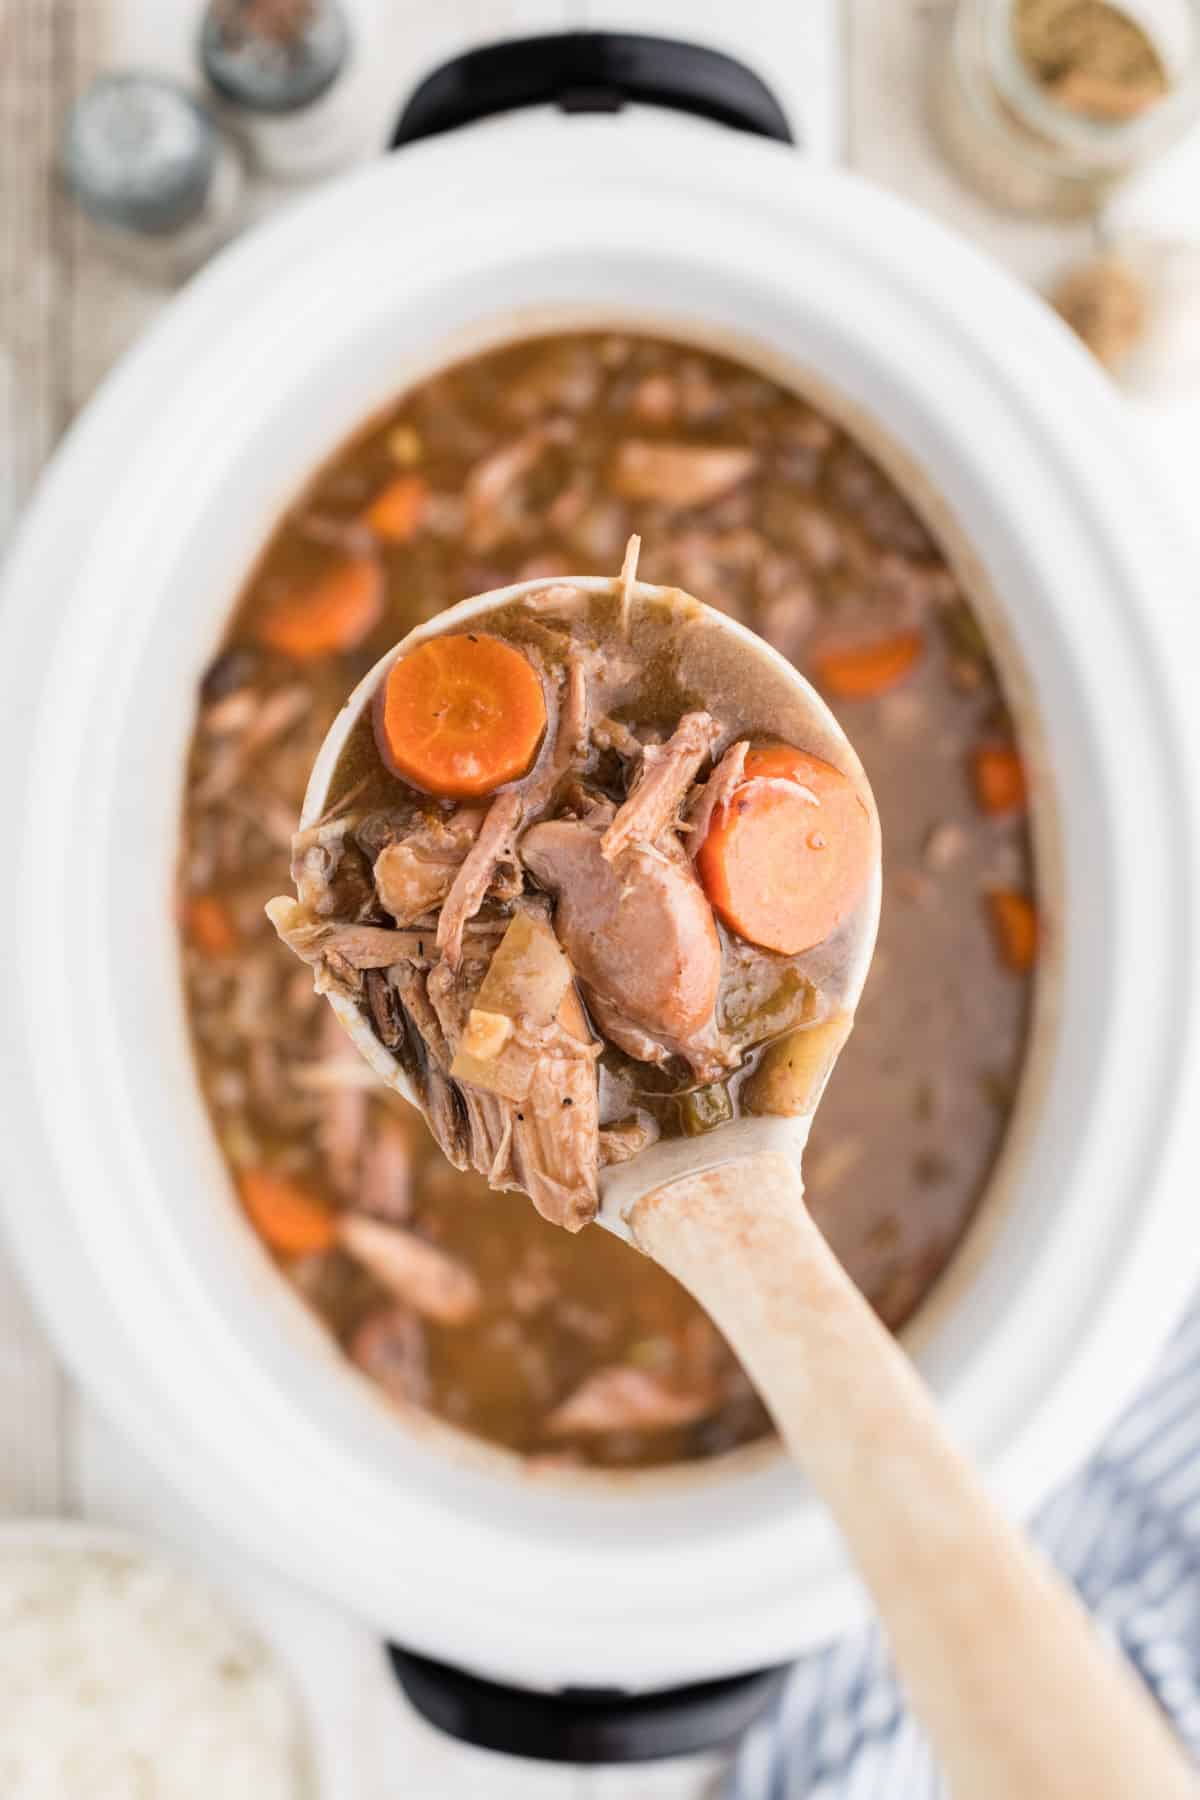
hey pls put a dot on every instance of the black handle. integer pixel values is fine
(592, 71)
(583, 1725)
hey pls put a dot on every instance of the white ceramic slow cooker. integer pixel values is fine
(117, 1202)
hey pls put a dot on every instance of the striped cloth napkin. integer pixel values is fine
(1126, 1531)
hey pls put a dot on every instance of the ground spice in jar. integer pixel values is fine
(284, 71)
(280, 22)
(1090, 57)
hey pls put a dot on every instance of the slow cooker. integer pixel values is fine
(981, 405)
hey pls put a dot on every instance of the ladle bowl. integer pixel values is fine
(624, 1184)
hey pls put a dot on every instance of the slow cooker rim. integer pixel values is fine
(373, 173)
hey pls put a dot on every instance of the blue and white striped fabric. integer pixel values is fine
(1126, 1531)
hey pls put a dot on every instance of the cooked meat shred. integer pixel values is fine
(476, 873)
(548, 1142)
(666, 774)
(338, 953)
(415, 1272)
(714, 794)
(625, 1398)
(414, 874)
(679, 474)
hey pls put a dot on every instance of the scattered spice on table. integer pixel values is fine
(1106, 304)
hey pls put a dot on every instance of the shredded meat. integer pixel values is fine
(572, 737)
(492, 488)
(413, 987)
(624, 1398)
(316, 858)
(269, 721)
(614, 734)
(556, 1147)
(383, 1004)
(414, 874)
(338, 953)
(548, 1142)
(495, 843)
(476, 872)
(679, 474)
(666, 774)
(426, 1058)
(414, 1271)
(714, 794)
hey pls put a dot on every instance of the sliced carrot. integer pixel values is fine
(335, 613)
(285, 1215)
(397, 512)
(1015, 923)
(787, 858)
(999, 779)
(460, 715)
(863, 671)
(208, 925)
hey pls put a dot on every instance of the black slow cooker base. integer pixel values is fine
(583, 1725)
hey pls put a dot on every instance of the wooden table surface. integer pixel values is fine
(852, 77)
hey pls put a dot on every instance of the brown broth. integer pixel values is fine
(815, 547)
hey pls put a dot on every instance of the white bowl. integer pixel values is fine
(314, 1763)
(117, 1201)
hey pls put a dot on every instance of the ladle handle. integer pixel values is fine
(1019, 1696)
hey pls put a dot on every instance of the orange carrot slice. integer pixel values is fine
(460, 715)
(287, 1217)
(999, 776)
(1015, 924)
(398, 511)
(208, 925)
(788, 856)
(335, 614)
(863, 671)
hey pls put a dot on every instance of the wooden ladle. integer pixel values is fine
(1019, 1696)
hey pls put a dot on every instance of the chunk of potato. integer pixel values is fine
(529, 978)
(792, 1072)
(529, 973)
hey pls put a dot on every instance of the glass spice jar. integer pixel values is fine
(280, 69)
(161, 185)
(1045, 106)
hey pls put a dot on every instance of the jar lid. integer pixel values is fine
(274, 56)
(139, 152)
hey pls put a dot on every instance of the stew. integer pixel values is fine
(577, 871)
(540, 458)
